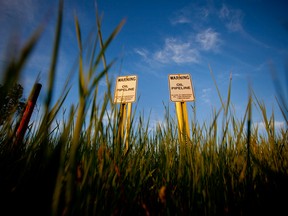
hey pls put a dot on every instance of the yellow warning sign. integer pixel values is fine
(181, 89)
(125, 89)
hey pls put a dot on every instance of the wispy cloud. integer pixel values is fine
(183, 50)
(262, 128)
(177, 51)
(187, 49)
(201, 16)
(181, 19)
(233, 21)
(201, 25)
(142, 52)
(182, 16)
(205, 95)
(232, 18)
(189, 14)
(204, 12)
(208, 39)
(235, 75)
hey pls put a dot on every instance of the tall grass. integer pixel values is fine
(81, 167)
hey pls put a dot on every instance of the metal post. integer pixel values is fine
(128, 125)
(183, 124)
(27, 113)
(186, 119)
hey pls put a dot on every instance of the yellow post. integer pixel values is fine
(186, 119)
(125, 123)
(123, 118)
(121, 123)
(128, 125)
(183, 124)
(180, 119)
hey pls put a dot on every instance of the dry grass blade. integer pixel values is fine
(15, 66)
(52, 70)
(218, 91)
(78, 168)
(105, 45)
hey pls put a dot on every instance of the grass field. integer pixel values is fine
(81, 167)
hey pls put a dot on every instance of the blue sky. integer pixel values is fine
(243, 38)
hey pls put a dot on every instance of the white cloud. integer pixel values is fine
(232, 18)
(205, 95)
(177, 51)
(182, 16)
(190, 13)
(235, 75)
(224, 12)
(208, 39)
(142, 52)
(180, 20)
(204, 13)
(262, 128)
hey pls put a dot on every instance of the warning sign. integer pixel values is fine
(181, 89)
(125, 89)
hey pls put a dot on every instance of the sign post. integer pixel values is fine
(125, 94)
(181, 91)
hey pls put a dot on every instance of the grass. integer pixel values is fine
(81, 167)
